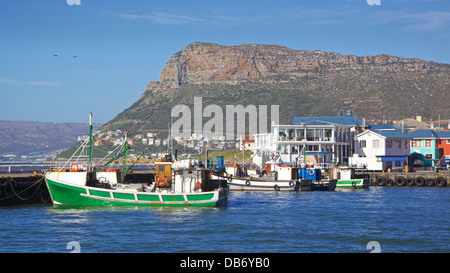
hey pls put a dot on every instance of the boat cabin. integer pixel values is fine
(163, 173)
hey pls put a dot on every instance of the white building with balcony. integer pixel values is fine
(314, 140)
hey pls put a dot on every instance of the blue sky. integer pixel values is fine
(120, 46)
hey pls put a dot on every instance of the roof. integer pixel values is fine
(411, 123)
(393, 134)
(388, 134)
(424, 133)
(375, 127)
(336, 120)
(443, 134)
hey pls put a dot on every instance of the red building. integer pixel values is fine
(444, 144)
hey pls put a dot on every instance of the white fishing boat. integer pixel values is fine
(275, 177)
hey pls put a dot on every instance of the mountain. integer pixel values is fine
(303, 83)
(31, 137)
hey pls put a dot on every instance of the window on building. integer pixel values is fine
(329, 133)
(310, 134)
(428, 143)
(300, 134)
(428, 156)
(416, 144)
(291, 133)
(399, 144)
(388, 143)
(282, 135)
(376, 143)
(362, 143)
(312, 148)
(318, 134)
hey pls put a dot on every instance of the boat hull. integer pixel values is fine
(69, 194)
(324, 185)
(252, 184)
(353, 184)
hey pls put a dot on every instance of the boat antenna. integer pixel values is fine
(90, 141)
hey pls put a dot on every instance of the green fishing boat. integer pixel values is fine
(347, 179)
(353, 184)
(176, 183)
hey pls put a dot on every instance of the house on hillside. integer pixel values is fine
(380, 150)
(412, 124)
(247, 142)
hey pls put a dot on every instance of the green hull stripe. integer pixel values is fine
(127, 196)
(144, 197)
(173, 198)
(99, 193)
(198, 197)
(348, 183)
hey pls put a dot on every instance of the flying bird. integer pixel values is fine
(56, 55)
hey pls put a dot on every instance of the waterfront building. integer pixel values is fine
(380, 149)
(429, 146)
(424, 147)
(314, 140)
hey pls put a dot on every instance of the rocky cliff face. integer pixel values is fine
(302, 83)
(206, 63)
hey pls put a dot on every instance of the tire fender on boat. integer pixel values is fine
(247, 183)
(354, 184)
(291, 183)
(276, 187)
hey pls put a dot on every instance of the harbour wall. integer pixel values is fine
(408, 179)
(30, 188)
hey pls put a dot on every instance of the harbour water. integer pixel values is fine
(394, 219)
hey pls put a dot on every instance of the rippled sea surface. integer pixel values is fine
(398, 219)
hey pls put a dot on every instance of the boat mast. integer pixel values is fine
(125, 152)
(90, 142)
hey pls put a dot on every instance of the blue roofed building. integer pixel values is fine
(425, 147)
(314, 140)
(378, 149)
